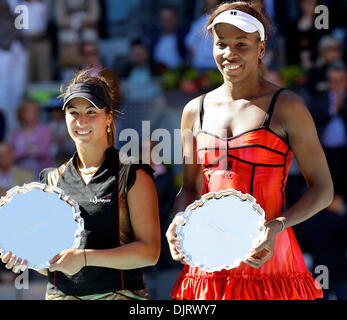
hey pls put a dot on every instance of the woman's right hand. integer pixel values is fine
(12, 262)
(173, 241)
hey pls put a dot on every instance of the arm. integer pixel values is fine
(192, 173)
(190, 190)
(303, 139)
(144, 251)
(298, 124)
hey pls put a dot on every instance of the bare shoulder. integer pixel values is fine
(190, 114)
(289, 100)
(143, 178)
(143, 188)
(289, 109)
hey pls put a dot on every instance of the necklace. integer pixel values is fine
(86, 172)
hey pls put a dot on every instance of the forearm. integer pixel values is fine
(315, 199)
(134, 255)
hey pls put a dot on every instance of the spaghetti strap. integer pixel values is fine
(201, 113)
(271, 108)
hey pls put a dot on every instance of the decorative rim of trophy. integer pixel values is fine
(76, 223)
(191, 252)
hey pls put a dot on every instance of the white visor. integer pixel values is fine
(241, 20)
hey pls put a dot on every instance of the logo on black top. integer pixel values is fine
(95, 200)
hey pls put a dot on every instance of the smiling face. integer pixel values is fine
(87, 124)
(237, 53)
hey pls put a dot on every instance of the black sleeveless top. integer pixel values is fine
(98, 202)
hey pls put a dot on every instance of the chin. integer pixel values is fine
(232, 79)
(81, 141)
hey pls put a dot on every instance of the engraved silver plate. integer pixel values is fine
(218, 231)
(37, 222)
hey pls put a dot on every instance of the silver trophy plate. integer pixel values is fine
(37, 222)
(218, 231)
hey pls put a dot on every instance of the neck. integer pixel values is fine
(91, 157)
(242, 90)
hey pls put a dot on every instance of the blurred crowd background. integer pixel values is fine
(160, 56)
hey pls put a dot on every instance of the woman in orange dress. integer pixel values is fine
(244, 134)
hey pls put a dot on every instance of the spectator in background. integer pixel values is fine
(139, 68)
(31, 142)
(77, 20)
(199, 45)
(274, 48)
(140, 90)
(330, 50)
(13, 62)
(10, 174)
(282, 14)
(302, 45)
(167, 42)
(329, 110)
(39, 43)
(90, 57)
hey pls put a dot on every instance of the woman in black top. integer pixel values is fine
(118, 204)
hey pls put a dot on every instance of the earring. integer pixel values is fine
(108, 129)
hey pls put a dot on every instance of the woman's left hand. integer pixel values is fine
(264, 250)
(69, 261)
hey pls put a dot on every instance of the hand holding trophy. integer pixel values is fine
(37, 222)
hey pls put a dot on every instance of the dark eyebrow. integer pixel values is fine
(238, 38)
(242, 38)
(70, 106)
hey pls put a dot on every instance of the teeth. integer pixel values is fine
(82, 132)
(232, 67)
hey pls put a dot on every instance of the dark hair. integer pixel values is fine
(108, 81)
(244, 6)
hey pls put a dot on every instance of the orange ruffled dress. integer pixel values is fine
(254, 162)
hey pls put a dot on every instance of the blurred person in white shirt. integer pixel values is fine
(39, 43)
(198, 43)
(13, 62)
